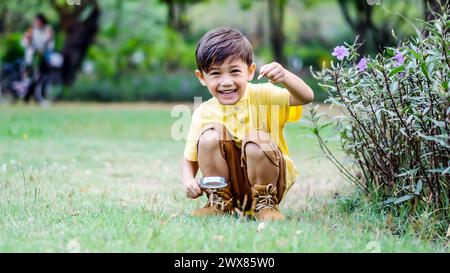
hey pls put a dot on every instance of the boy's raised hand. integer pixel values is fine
(275, 72)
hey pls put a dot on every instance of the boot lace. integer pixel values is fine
(215, 200)
(266, 200)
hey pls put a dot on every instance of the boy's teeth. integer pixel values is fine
(227, 91)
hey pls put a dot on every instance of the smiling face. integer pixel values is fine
(227, 82)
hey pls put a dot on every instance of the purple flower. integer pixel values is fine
(340, 52)
(362, 65)
(398, 58)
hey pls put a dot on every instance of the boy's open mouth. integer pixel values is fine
(226, 92)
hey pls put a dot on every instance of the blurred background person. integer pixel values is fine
(39, 43)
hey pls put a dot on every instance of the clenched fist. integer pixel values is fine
(275, 72)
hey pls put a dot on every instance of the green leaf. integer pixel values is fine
(411, 172)
(436, 139)
(423, 66)
(440, 170)
(326, 125)
(304, 127)
(410, 118)
(403, 199)
(393, 200)
(397, 70)
(424, 70)
(416, 55)
(445, 85)
(419, 186)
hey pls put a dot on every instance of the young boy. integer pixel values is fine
(238, 134)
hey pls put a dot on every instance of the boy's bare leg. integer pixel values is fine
(210, 158)
(263, 176)
(260, 169)
(212, 163)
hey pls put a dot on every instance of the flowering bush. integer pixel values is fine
(395, 127)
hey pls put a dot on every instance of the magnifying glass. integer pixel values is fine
(213, 182)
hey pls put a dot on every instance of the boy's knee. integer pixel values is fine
(212, 134)
(262, 140)
(253, 152)
(259, 147)
(209, 140)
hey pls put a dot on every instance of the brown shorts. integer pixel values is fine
(235, 157)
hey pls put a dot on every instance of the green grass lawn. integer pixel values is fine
(105, 178)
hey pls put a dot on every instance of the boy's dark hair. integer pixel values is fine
(41, 17)
(219, 44)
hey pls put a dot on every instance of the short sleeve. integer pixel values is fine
(295, 113)
(190, 148)
(275, 95)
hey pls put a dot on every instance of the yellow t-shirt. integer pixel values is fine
(264, 106)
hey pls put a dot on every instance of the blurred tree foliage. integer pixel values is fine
(177, 17)
(17, 15)
(276, 15)
(109, 40)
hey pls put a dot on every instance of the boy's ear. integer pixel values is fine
(200, 77)
(251, 71)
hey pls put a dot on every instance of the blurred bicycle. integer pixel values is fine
(16, 83)
(38, 73)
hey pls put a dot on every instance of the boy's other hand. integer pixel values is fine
(192, 188)
(275, 72)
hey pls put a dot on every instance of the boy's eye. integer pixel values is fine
(235, 71)
(214, 73)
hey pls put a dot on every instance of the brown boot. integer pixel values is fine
(265, 203)
(219, 202)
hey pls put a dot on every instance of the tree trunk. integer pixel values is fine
(361, 23)
(171, 13)
(176, 17)
(276, 17)
(80, 35)
(117, 26)
(3, 13)
(363, 26)
(182, 23)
